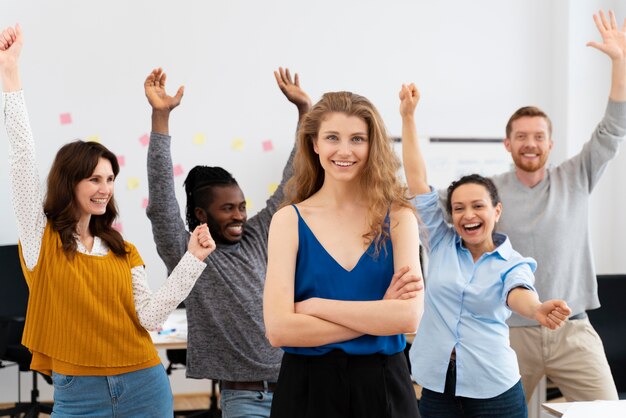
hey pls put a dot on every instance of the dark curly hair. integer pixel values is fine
(473, 179)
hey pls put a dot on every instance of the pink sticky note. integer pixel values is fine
(144, 203)
(178, 170)
(66, 118)
(267, 145)
(118, 227)
(121, 160)
(144, 140)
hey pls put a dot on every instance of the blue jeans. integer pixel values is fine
(245, 403)
(144, 393)
(509, 404)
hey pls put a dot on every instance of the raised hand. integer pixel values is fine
(409, 97)
(154, 87)
(292, 90)
(613, 38)
(11, 42)
(403, 285)
(552, 313)
(201, 244)
(9, 36)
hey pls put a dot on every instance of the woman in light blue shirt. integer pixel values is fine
(461, 354)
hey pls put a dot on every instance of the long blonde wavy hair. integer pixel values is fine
(379, 177)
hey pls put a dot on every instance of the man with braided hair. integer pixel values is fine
(207, 185)
(225, 308)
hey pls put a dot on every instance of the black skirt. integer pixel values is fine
(344, 385)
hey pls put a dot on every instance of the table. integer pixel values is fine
(604, 409)
(174, 333)
(173, 336)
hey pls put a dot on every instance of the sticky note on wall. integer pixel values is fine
(178, 170)
(199, 139)
(66, 118)
(267, 145)
(132, 183)
(237, 144)
(144, 140)
(271, 188)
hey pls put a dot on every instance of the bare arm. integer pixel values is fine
(382, 317)
(550, 314)
(412, 158)
(285, 327)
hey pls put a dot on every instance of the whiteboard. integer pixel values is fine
(450, 158)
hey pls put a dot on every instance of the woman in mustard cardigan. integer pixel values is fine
(90, 306)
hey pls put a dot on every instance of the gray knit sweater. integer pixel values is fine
(549, 221)
(226, 338)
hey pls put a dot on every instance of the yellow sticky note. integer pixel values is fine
(199, 139)
(132, 183)
(248, 205)
(271, 188)
(237, 144)
(93, 138)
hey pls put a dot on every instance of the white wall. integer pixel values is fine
(588, 84)
(475, 63)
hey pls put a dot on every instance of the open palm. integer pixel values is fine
(613, 38)
(158, 98)
(292, 90)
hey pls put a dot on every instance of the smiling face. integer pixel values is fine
(93, 193)
(529, 143)
(474, 217)
(226, 214)
(342, 146)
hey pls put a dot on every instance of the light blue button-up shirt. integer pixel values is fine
(466, 310)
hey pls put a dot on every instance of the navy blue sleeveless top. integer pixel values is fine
(319, 275)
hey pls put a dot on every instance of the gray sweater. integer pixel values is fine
(226, 338)
(549, 221)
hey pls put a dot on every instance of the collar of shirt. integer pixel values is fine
(503, 245)
(99, 247)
